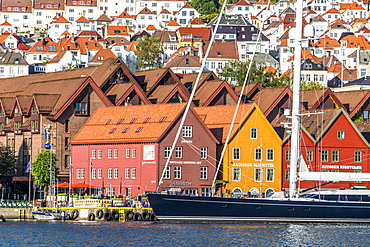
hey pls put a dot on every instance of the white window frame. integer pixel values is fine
(115, 153)
(109, 153)
(93, 173)
(99, 153)
(133, 153)
(127, 173)
(178, 152)
(254, 133)
(115, 173)
(236, 174)
(270, 171)
(167, 151)
(270, 152)
(100, 173)
(167, 173)
(236, 153)
(187, 131)
(93, 154)
(258, 152)
(258, 174)
(110, 173)
(128, 153)
(177, 172)
(133, 173)
(203, 172)
(203, 153)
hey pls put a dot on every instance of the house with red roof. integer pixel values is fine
(125, 19)
(82, 24)
(42, 51)
(241, 7)
(58, 27)
(164, 17)
(101, 55)
(144, 18)
(172, 25)
(7, 27)
(126, 150)
(186, 15)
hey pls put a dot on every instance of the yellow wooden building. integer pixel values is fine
(252, 159)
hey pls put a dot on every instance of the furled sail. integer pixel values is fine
(334, 176)
(305, 174)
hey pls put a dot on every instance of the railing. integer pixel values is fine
(15, 204)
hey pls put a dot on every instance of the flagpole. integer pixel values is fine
(29, 181)
(90, 174)
(70, 177)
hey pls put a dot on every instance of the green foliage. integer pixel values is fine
(150, 53)
(205, 8)
(236, 70)
(8, 161)
(310, 85)
(40, 168)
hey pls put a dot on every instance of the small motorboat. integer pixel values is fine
(46, 214)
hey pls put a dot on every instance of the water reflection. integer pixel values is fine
(23, 233)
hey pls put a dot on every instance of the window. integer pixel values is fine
(115, 153)
(39, 48)
(167, 152)
(335, 155)
(127, 173)
(166, 174)
(178, 152)
(236, 153)
(133, 153)
(34, 126)
(309, 155)
(115, 173)
(358, 171)
(287, 175)
(110, 173)
(133, 173)
(80, 173)
(203, 153)
(93, 174)
(100, 173)
(236, 174)
(287, 155)
(177, 172)
(203, 172)
(270, 154)
(109, 153)
(254, 133)
(358, 157)
(258, 174)
(52, 48)
(93, 154)
(206, 192)
(340, 134)
(270, 174)
(81, 108)
(258, 154)
(99, 153)
(187, 131)
(128, 153)
(324, 155)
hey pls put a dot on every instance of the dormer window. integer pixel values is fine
(34, 110)
(35, 126)
(81, 108)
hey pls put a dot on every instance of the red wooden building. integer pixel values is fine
(122, 150)
(330, 143)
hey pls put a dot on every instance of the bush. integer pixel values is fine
(74, 195)
(62, 194)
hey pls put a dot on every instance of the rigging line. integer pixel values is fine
(237, 106)
(190, 101)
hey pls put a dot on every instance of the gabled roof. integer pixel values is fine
(124, 14)
(209, 90)
(316, 97)
(120, 91)
(353, 101)
(152, 78)
(61, 19)
(46, 45)
(132, 124)
(173, 23)
(219, 118)
(273, 94)
(82, 19)
(118, 30)
(104, 17)
(145, 11)
(184, 61)
(226, 49)
(163, 94)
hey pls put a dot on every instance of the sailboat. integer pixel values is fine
(276, 208)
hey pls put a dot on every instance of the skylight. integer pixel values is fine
(162, 119)
(120, 120)
(139, 129)
(112, 130)
(133, 120)
(125, 130)
(108, 121)
(146, 119)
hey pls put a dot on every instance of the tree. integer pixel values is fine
(207, 9)
(150, 53)
(40, 168)
(8, 161)
(235, 72)
(310, 85)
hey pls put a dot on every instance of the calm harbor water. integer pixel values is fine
(33, 233)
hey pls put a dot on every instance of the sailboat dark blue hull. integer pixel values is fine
(197, 208)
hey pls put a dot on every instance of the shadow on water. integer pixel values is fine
(34, 233)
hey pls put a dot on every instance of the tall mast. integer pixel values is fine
(296, 100)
